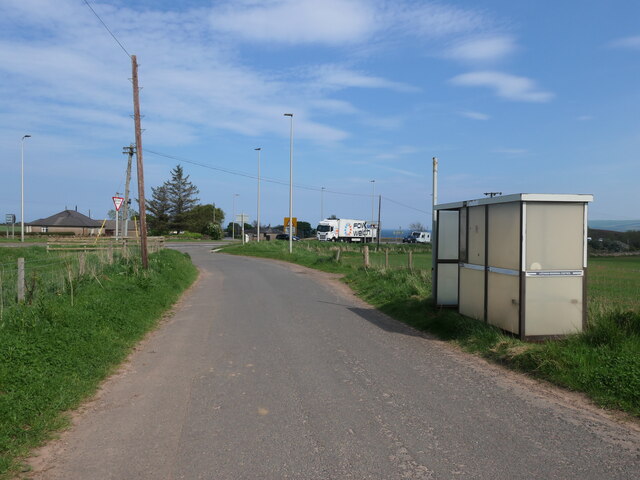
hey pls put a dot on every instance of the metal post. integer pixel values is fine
(373, 191)
(434, 221)
(242, 228)
(258, 220)
(21, 279)
(233, 222)
(321, 203)
(125, 213)
(22, 187)
(379, 227)
(290, 115)
(117, 218)
(140, 165)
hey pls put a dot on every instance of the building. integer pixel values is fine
(65, 222)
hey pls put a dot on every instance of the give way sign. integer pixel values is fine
(117, 201)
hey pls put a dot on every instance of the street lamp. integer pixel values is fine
(258, 150)
(233, 220)
(321, 203)
(290, 115)
(373, 194)
(22, 187)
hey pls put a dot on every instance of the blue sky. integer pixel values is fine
(533, 97)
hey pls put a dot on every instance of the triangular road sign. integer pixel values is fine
(117, 201)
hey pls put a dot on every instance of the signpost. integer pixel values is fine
(10, 218)
(290, 227)
(242, 218)
(117, 202)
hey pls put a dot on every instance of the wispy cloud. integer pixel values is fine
(482, 49)
(432, 19)
(330, 22)
(335, 76)
(626, 42)
(475, 115)
(505, 85)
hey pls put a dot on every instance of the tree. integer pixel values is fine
(213, 230)
(159, 208)
(201, 216)
(181, 194)
(234, 229)
(417, 226)
(305, 230)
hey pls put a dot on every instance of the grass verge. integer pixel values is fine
(603, 361)
(55, 354)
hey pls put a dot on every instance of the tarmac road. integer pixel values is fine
(272, 371)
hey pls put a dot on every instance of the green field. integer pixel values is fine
(603, 361)
(75, 327)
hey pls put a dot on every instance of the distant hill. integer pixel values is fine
(615, 225)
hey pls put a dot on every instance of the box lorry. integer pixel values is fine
(346, 230)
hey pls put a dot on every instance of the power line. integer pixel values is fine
(276, 181)
(249, 175)
(406, 206)
(105, 26)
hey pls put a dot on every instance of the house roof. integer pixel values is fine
(111, 225)
(66, 218)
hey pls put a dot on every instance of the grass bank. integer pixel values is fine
(603, 361)
(55, 353)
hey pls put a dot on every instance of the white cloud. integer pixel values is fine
(342, 22)
(505, 85)
(334, 76)
(627, 42)
(331, 22)
(432, 19)
(475, 115)
(483, 49)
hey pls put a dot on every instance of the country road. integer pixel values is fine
(273, 371)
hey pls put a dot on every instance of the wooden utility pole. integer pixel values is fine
(143, 205)
(125, 213)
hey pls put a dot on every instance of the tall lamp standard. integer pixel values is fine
(233, 220)
(321, 203)
(22, 187)
(290, 115)
(258, 150)
(373, 194)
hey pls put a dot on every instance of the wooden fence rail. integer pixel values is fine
(93, 244)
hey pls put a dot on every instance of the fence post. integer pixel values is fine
(338, 255)
(110, 253)
(386, 258)
(366, 256)
(81, 262)
(410, 260)
(21, 279)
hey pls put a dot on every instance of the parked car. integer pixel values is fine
(285, 236)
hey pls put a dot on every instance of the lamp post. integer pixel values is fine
(233, 220)
(321, 203)
(22, 187)
(290, 115)
(258, 150)
(373, 194)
